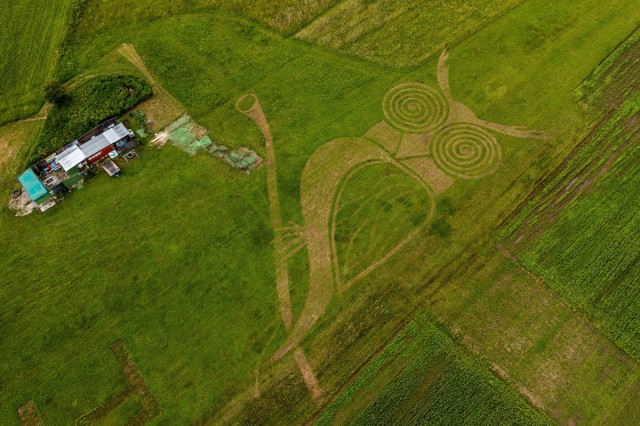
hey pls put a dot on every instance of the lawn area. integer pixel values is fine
(142, 273)
(176, 257)
(29, 49)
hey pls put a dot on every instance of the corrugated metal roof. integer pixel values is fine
(116, 133)
(96, 144)
(30, 182)
(70, 157)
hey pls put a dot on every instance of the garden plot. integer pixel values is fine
(190, 137)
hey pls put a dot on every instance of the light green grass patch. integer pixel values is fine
(31, 33)
(399, 34)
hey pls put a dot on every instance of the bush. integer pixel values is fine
(87, 106)
(441, 227)
(56, 93)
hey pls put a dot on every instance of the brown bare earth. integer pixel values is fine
(29, 415)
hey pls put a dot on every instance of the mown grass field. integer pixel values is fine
(175, 257)
(29, 49)
(558, 358)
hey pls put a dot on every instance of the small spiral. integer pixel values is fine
(415, 108)
(466, 151)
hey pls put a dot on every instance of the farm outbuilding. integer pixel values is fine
(70, 157)
(64, 170)
(32, 185)
(96, 149)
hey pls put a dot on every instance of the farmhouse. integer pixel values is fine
(48, 179)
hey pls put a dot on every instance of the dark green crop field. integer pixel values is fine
(423, 377)
(430, 239)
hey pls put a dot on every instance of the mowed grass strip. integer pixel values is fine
(424, 377)
(31, 32)
(399, 33)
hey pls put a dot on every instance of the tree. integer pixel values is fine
(56, 93)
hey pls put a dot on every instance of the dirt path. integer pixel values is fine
(41, 115)
(162, 108)
(250, 106)
(308, 375)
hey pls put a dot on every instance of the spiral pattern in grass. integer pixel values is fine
(415, 108)
(466, 151)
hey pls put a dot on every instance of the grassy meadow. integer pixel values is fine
(175, 257)
(399, 34)
(29, 49)
(283, 16)
(557, 357)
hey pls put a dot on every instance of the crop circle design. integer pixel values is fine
(415, 108)
(466, 151)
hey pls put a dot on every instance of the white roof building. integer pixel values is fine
(70, 157)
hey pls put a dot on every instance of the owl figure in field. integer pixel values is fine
(425, 133)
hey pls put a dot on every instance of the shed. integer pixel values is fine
(70, 157)
(116, 133)
(97, 148)
(30, 182)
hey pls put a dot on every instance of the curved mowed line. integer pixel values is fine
(466, 151)
(415, 108)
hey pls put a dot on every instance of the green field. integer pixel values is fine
(29, 47)
(402, 34)
(593, 193)
(422, 376)
(176, 258)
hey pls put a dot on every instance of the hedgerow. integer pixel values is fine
(88, 105)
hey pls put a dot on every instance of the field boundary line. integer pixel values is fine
(575, 309)
(315, 18)
(471, 34)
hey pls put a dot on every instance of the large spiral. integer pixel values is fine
(466, 151)
(415, 108)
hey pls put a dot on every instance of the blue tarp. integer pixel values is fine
(35, 189)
